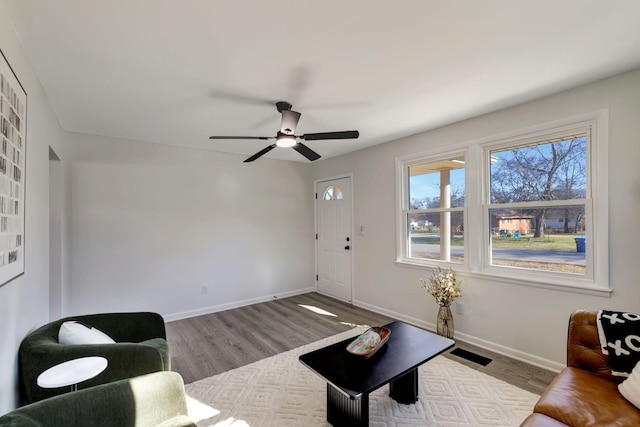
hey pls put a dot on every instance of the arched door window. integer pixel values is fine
(332, 193)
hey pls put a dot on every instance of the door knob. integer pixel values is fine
(347, 247)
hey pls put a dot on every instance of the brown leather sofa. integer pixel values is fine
(584, 393)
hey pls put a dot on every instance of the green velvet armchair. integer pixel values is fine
(141, 348)
(150, 400)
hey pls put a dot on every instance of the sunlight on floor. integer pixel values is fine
(317, 310)
(231, 422)
(353, 325)
(199, 412)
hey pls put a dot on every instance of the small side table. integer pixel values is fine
(72, 372)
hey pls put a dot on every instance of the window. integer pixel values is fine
(539, 200)
(332, 193)
(433, 211)
(529, 207)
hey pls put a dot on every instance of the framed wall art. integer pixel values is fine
(13, 126)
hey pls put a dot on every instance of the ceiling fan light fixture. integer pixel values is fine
(287, 138)
(286, 141)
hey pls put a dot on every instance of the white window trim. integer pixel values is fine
(402, 177)
(476, 209)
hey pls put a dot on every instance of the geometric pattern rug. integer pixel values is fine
(279, 391)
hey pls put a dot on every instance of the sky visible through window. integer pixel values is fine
(428, 185)
(546, 171)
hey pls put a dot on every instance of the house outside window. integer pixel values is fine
(530, 182)
(531, 207)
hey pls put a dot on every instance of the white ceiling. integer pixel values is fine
(176, 72)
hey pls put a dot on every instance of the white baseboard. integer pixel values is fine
(331, 296)
(487, 345)
(234, 304)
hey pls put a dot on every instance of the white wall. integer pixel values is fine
(153, 224)
(24, 301)
(525, 322)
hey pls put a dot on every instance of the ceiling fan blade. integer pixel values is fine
(289, 122)
(306, 151)
(260, 153)
(242, 137)
(347, 134)
(241, 98)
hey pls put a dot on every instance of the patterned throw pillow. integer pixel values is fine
(619, 334)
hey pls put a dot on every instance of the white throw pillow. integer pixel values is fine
(79, 333)
(630, 388)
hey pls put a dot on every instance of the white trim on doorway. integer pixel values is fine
(351, 227)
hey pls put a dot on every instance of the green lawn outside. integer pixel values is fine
(434, 240)
(554, 242)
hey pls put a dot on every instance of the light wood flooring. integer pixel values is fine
(207, 345)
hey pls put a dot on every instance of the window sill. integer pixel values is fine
(577, 288)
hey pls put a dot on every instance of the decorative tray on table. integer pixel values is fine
(367, 343)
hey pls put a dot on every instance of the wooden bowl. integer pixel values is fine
(360, 348)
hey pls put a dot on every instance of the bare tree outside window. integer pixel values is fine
(543, 186)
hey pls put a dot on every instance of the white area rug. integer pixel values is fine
(280, 391)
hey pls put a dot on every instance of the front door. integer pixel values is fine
(334, 240)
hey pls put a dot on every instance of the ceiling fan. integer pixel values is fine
(286, 135)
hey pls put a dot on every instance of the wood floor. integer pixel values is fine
(210, 344)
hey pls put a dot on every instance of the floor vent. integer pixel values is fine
(475, 358)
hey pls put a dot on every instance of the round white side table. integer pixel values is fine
(72, 372)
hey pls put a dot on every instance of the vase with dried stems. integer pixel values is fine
(443, 286)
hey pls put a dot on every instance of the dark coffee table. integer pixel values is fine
(351, 378)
